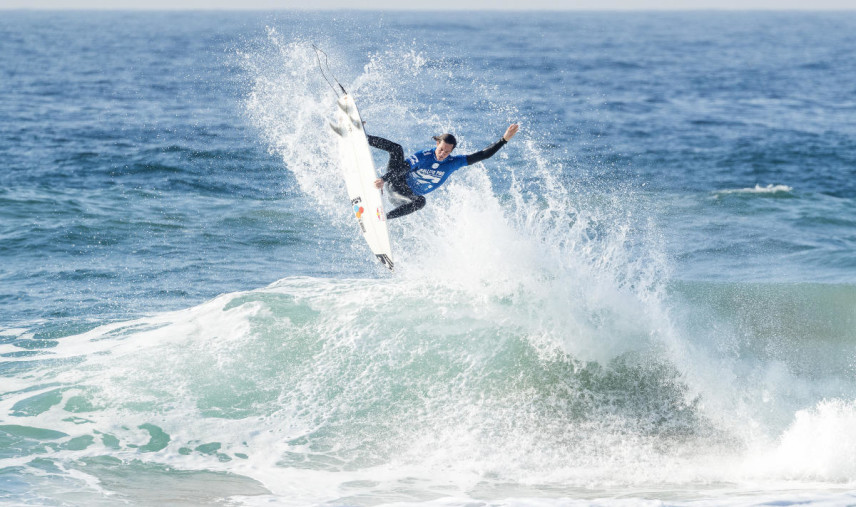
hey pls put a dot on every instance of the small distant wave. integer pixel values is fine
(758, 189)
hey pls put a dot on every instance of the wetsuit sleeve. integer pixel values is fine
(383, 144)
(485, 153)
(396, 163)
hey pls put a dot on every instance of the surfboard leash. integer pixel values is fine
(327, 64)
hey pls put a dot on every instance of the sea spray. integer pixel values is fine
(569, 284)
(291, 108)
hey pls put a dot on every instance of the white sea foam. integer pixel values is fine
(820, 445)
(758, 189)
(12, 331)
(316, 357)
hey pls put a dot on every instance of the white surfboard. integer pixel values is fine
(358, 169)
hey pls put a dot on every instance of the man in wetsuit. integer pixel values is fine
(409, 180)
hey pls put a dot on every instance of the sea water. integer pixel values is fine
(648, 296)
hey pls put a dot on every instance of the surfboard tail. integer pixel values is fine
(344, 106)
(350, 112)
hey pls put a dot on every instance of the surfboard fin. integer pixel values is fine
(337, 129)
(349, 111)
(343, 107)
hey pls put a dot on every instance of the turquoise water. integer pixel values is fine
(647, 296)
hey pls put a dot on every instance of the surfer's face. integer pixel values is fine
(443, 150)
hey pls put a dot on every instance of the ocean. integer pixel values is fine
(648, 297)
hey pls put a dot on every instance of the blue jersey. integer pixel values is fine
(427, 173)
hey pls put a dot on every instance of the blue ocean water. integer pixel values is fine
(648, 296)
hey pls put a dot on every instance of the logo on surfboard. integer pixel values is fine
(358, 212)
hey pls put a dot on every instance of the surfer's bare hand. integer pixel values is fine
(509, 133)
(378, 183)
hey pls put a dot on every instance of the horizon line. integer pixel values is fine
(406, 9)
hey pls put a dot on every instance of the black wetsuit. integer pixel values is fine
(398, 169)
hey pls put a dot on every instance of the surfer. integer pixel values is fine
(408, 180)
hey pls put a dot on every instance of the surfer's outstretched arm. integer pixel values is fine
(492, 149)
